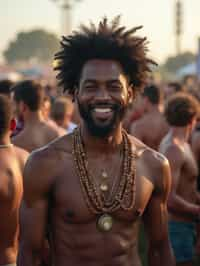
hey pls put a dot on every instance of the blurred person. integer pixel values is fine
(46, 111)
(184, 201)
(195, 143)
(28, 98)
(12, 161)
(152, 126)
(62, 111)
(171, 88)
(76, 118)
(135, 111)
(85, 184)
(51, 91)
(190, 83)
(46, 107)
(5, 87)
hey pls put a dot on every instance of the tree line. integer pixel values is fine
(41, 45)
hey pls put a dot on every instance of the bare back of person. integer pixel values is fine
(37, 135)
(12, 160)
(73, 233)
(195, 143)
(150, 129)
(187, 181)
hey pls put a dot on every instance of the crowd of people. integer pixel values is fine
(79, 172)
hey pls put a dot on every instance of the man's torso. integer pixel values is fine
(10, 198)
(73, 231)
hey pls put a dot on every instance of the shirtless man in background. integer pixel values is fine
(93, 186)
(28, 98)
(195, 143)
(184, 201)
(152, 126)
(12, 161)
(62, 112)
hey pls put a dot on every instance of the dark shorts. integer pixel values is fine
(182, 238)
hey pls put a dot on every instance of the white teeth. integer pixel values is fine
(102, 110)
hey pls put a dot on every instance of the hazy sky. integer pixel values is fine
(157, 17)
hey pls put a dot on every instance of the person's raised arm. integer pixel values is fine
(34, 208)
(156, 219)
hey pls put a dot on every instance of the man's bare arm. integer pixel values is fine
(33, 213)
(176, 203)
(195, 144)
(156, 220)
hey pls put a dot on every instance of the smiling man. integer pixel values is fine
(90, 189)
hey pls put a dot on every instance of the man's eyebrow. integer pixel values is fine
(89, 80)
(114, 81)
(107, 81)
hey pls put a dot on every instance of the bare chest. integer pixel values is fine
(70, 203)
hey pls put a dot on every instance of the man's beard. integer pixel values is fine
(96, 129)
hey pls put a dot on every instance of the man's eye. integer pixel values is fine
(115, 87)
(90, 87)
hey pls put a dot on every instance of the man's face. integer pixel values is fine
(67, 117)
(46, 109)
(103, 96)
(169, 91)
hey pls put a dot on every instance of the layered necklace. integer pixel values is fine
(121, 196)
(3, 146)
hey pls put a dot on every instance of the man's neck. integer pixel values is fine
(107, 144)
(154, 108)
(5, 140)
(181, 133)
(33, 118)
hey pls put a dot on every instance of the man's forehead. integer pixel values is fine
(107, 69)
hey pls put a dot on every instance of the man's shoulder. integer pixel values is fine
(150, 156)
(154, 165)
(53, 129)
(20, 152)
(173, 151)
(45, 164)
(51, 153)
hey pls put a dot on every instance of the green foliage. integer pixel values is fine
(37, 44)
(174, 63)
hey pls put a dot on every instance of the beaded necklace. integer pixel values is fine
(122, 197)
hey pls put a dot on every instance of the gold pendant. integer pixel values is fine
(104, 187)
(104, 174)
(105, 222)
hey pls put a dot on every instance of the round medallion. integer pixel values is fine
(104, 174)
(104, 187)
(105, 222)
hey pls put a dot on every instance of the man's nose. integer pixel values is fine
(103, 93)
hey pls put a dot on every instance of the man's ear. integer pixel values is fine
(13, 124)
(131, 93)
(75, 94)
(22, 106)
